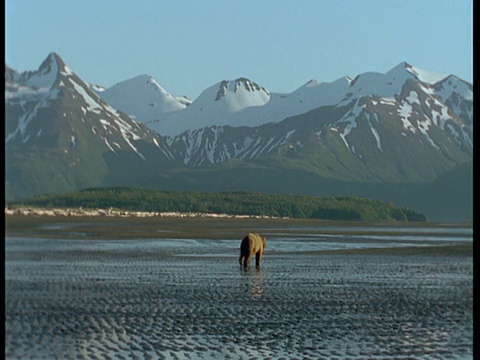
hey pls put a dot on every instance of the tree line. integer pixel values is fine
(232, 203)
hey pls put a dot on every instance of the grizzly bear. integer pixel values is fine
(252, 244)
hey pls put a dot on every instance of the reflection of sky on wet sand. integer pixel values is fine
(132, 298)
(382, 229)
(254, 282)
(276, 243)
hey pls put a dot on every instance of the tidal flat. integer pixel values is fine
(172, 288)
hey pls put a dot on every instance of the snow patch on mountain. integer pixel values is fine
(129, 135)
(46, 75)
(405, 111)
(374, 130)
(229, 97)
(453, 84)
(213, 145)
(424, 75)
(242, 102)
(142, 98)
(315, 94)
(31, 91)
(34, 102)
(441, 116)
(97, 88)
(351, 123)
(239, 94)
(226, 103)
(93, 105)
(35, 85)
(412, 98)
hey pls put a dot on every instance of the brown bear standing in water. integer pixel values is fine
(252, 244)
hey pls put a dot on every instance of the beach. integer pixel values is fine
(73, 296)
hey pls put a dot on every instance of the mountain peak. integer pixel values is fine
(142, 77)
(402, 70)
(10, 73)
(47, 74)
(53, 63)
(141, 97)
(248, 84)
(140, 81)
(311, 83)
(419, 74)
(53, 56)
(242, 87)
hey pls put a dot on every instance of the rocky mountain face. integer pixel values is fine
(60, 135)
(395, 137)
(361, 122)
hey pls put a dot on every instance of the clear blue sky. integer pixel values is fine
(189, 45)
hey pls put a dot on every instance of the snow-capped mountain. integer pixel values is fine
(242, 102)
(374, 135)
(458, 96)
(220, 104)
(142, 98)
(65, 132)
(438, 113)
(46, 89)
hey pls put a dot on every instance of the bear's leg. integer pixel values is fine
(240, 259)
(258, 259)
(246, 261)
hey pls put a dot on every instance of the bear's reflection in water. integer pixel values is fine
(254, 282)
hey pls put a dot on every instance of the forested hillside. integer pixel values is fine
(233, 203)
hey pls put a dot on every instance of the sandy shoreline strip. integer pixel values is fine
(28, 211)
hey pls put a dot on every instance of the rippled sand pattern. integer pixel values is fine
(120, 304)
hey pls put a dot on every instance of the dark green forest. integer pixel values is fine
(232, 203)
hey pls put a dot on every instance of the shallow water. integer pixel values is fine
(353, 237)
(189, 299)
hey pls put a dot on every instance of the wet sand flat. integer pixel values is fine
(167, 299)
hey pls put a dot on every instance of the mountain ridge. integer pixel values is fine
(407, 126)
(220, 104)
